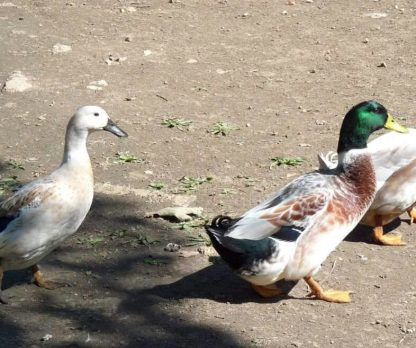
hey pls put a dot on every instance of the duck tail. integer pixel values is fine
(227, 247)
(221, 223)
(219, 226)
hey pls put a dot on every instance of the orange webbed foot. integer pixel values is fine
(387, 239)
(335, 296)
(43, 282)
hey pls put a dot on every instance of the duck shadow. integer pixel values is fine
(215, 282)
(364, 233)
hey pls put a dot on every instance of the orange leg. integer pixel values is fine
(385, 239)
(268, 291)
(412, 215)
(43, 282)
(330, 295)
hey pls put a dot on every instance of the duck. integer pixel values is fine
(289, 235)
(394, 159)
(40, 215)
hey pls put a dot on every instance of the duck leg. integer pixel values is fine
(330, 295)
(412, 215)
(268, 291)
(2, 299)
(385, 239)
(43, 282)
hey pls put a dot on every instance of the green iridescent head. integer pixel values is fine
(362, 120)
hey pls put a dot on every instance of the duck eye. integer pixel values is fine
(96, 114)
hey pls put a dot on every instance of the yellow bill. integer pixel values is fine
(393, 125)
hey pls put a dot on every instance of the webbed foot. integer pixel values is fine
(43, 282)
(387, 239)
(335, 296)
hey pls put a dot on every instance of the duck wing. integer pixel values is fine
(288, 213)
(26, 199)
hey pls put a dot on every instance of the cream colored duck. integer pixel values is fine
(288, 236)
(42, 214)
(394, 158)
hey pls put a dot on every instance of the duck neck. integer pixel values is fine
(75, 152)
(357, 168)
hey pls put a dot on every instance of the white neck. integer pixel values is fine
(75, 152)
(348, 157)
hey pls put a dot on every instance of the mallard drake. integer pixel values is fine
(394, 159)
(42, 214)
(288, 236)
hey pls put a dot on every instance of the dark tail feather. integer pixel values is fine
(222, 223)
(222, 244)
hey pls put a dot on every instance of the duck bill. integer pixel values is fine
(113, 128)
(393, 125)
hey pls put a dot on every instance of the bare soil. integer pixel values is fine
(285, 74)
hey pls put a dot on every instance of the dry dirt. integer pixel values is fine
(285, 74)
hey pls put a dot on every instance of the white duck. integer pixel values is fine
(42, 214)
(394, 158)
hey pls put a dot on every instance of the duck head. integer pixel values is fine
(94, 118)
(362, 120)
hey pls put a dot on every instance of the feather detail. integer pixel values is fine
(29, 196)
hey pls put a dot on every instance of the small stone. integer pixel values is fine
(382, 65)
(148, 172)
(47, 337)
(245, 15)
(61, 48)
(128, 39)
(115, 59)
(284, 12)
(309, 1)
(147, 53)
(376, 15)
(220, 71)
(97, 85)
(192, 61)
(172, 247)
(17, 82)
(101, 83)
(320, 122)
(366, 40)
(131, 9)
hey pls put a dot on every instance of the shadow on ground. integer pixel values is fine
(363, 233)
(106, 311)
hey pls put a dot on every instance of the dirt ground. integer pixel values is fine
(285, 74)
